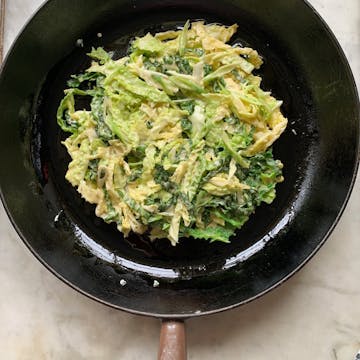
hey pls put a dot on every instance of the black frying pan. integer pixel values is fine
(304, 66)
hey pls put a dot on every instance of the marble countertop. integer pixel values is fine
(315, 315)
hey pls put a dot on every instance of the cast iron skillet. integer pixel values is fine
(304, 66)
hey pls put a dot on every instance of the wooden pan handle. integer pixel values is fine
(172, 341)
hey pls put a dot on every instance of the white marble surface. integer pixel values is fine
(315, 315)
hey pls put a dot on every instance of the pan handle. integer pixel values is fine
(172, 340)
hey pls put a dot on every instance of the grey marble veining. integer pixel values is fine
(315, 315)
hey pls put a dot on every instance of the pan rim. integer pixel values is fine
(348, 70)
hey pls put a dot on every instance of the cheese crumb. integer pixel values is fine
(123, 282)
(156, 284)
(80, 42)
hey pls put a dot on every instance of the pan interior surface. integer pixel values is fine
(319, 151)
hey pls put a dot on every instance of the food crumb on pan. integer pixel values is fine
(123, 282)
(198, 312)
(57, 217)
(156, 284)
(80, 42)
(294, 131)
(99, 35)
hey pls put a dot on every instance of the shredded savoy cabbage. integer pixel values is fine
(177, 140)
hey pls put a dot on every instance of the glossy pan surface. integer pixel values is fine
(304, 66)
